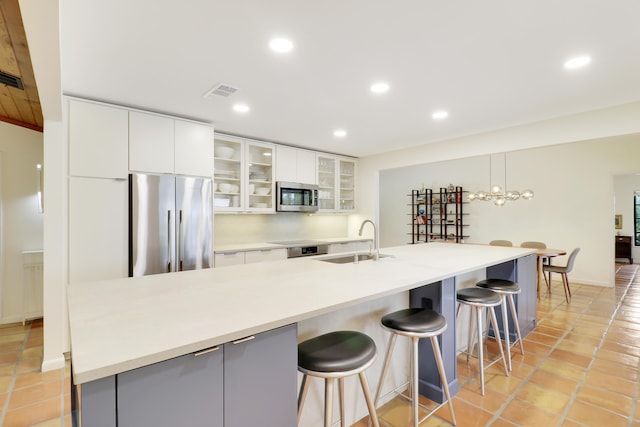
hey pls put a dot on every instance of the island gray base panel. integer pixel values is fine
(524, 272)
(93, 403)
(440, 297)
(248, 382)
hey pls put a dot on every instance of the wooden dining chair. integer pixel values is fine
(533, 245)
(538, 245)
(500, 243)
(563, 270)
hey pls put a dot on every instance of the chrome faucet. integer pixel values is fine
(376, 244)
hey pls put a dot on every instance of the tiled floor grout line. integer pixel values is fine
(62, 387)
(526, 380)
(5, 409)
(574, 395)
(636, 391)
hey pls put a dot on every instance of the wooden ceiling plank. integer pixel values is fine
(9, 105)
(23, 105)
(15, 28)
(8, 61)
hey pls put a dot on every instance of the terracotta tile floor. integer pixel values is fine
(29, 397)
(580, 368)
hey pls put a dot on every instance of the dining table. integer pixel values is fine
(546, 253)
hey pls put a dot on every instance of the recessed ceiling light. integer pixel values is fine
(379, 87)
(577, 62)
(281, 45)
(439, 115)
(340, 133)
(241, 108)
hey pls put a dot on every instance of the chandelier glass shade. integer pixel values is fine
(498, 194)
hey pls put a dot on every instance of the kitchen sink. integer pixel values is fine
(351, 258)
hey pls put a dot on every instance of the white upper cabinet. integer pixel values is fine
(286, 167)
(160, 144)
(260, 158)
(193, 149)
(151, 143)
(336, 183)
(98, 140)
(295, 165)
(347, 185)
(244, 175)
(326, 183)
(228, 173)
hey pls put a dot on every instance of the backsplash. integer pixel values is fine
(282, 226)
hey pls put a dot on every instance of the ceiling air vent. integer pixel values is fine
(221, 89)
(9, 80)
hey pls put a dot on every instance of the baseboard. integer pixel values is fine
(53, 364)
(11, 319)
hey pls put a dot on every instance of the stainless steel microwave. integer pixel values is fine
(296, 197)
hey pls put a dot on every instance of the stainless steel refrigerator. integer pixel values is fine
(170, 224)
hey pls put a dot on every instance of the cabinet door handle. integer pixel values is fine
(241, 340)
(206, 350)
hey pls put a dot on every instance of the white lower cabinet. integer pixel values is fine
(251, 257)
(248, 382)
(224, 259)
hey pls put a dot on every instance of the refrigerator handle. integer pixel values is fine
(169, 241)
(179, 251)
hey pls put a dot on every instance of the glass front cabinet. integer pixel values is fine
(259, 177)
(243, 175)
(228, 173)
(336, 183)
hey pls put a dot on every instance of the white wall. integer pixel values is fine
(573, 182)
(22, 223)
(625, 186)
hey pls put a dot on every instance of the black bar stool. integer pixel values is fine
(336, 355)
(506, 289)
(481, 299)
(416, 323)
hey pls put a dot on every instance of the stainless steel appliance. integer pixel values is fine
(300, 248)
(296, 197)
(170, 224)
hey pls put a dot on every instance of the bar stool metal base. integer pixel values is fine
(416, 323)
(506, 289)
(481, 299)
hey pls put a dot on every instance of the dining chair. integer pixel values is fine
(500, 243)
(533, 245)
(563, 270)
(537, 245)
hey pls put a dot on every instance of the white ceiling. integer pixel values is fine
(491, 64)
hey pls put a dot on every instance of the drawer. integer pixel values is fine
(228, 258)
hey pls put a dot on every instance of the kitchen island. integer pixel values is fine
(120, 325)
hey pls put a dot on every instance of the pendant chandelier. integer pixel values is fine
(499, 194)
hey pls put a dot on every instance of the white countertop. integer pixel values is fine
(122, 324)
(257, 246)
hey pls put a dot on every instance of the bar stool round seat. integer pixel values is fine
(416, 323)
(481, 299)
(506, 289)
(336, 355)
